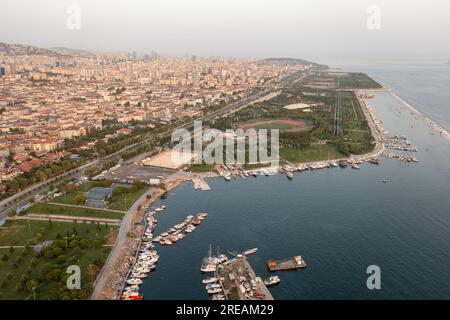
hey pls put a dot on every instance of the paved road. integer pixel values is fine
(125, 227)
(23, 196)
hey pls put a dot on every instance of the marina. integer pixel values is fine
(246, 214)
(146, 257)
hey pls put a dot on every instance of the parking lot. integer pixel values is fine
(133, 171)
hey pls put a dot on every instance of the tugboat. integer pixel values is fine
(273, 280)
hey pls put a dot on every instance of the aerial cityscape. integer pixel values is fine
(156, 174)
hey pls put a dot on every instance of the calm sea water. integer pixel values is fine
(340, 220)
(425, 86)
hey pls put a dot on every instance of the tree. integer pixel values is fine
(19, 286)
(74, 243)
(41, 175)
(33, 262)
(32, 284)
(5, 258)
(57, 251)
(79, 199)
(11, 250)
(84, 243)
(61, 259)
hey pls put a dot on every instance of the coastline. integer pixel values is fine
(107, 283)
(444, 133)
(376, 130)
(115, 269)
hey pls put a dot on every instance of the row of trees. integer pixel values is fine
(38, 175)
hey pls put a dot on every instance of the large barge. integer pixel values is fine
(294, 263)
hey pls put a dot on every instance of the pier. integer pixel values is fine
(239, 281)
(200, 183)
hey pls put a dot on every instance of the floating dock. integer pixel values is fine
(200, 183)
(239, 281)
(294, 263)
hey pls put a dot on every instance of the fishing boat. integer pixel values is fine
(249, 251)
(209, 280)
(273, 280)
(212, 286)
(290, 175)
(196, 222)
(214, 291)
(139, 275)
(134, 281)
(209, 263)
(207, 268)
(355, 166)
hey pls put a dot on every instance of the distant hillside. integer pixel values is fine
(24, 49)
(68, 51)
(291, 61)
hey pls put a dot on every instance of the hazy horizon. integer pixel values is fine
(323, 31)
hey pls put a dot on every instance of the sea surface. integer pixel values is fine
(340, 220)
(425, 86)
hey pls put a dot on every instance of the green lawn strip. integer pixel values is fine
(19, 232)
(67, 198)
(201, 167)
(124, 201)
(54, 209)
(311, 153)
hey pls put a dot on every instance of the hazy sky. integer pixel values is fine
(321, 30)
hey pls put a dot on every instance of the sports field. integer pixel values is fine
(275, 124)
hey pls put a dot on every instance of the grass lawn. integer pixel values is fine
(48, 289)
(7, 287)
(67, 198)
(201, 167)
(312, 153)
(48, 208)
(126, 200)
(18, 264)
(19, 232)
